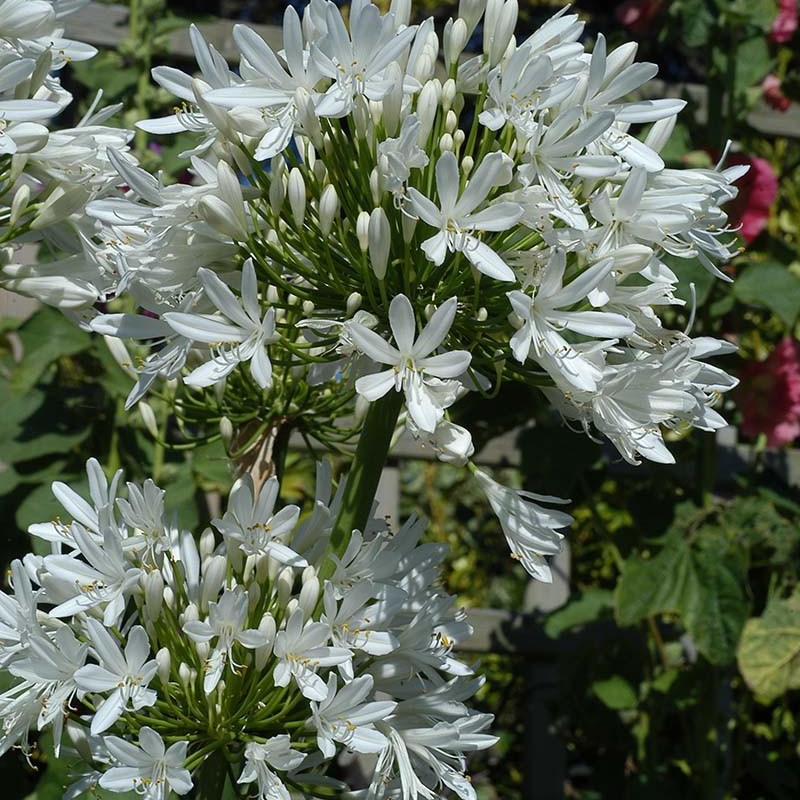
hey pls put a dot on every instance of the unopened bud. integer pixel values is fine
(450, 121)
(169, 597)
(190, 614)
(253, 596)
(467, 163)
(202, 649)
(185, 675)
(153, 594)
(214, 574)
(380, 242)
(362, 230)
(277, 194)
(297, 196)
(458, 137)
(149, 418)
(328, 209)
(284, 583)
(207, 544)
(268, 628)
(375, 187)
(163, 664)
(309, 595)
(273, 296)
(226, 430)
(482, 314)
(445, 142)
(353, 303)
(308, 308)
(454, 40)
(18, 205)
(427, 107)
(448, 94)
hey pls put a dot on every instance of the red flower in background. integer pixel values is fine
(785, 23)
(769, 397)
(774, 96)
(638, 14)
(757, 192)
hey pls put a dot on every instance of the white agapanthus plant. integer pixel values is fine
(360, 230)
(268, 662)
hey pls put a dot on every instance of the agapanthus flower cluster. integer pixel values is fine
(363, 226)
(46, 175)
(147, 651)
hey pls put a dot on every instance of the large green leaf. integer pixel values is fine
(696, 22)
(587, 607)
(616, 693)
(771, 285)
(769, 652)
(46, 336)
(705, 584)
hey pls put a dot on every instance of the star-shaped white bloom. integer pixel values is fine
(454, 217)
(125, 676)
(226, 621)
(150, 770)
(242, 336)
(276, 753)
(413, 369)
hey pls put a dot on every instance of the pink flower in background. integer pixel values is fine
(769, 397)
(757, 192)
(638, 14)
(785, 23)
(773, 94)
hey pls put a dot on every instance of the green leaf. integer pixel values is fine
(27, 449)
(589, 606)
(46, 336)
(705, 585)
(771, 285)
(616, 693)
(769, 652)
(41, 506)
(697, 22)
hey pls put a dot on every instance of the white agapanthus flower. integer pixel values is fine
(213, 651)
(412, 365)
(150, 769)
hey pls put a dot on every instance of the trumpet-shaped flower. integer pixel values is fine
(412, 366)
(276, 753)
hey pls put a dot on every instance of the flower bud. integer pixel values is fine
(320, 171)
(277, 194)
(353, 303)
(448, 94)
(253, 596)
(202, 649)
(185, 675)
(482, 314)
(207, 544)
(308, 307)
(375, 187)
(362, 231)
(214, 573)
(190, 614)
(169, 597)
(292, 606)
(458, 137)
(59, 205)
(273, 296)
(309, 595)
(380, 242)
(424, 53)
(427, 106)
(163, 664)
(226, 430)
(497, 35)
(297, 196)
(446, 142)
(18, 205)
(467, 163)
(328, 209)
(450, 121)
(268, 628)
(393, 101)
(284, 584)
(149, 418)
(262, 570)
(153, 594)
(454, 40)
(362, 118)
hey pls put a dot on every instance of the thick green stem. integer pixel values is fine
(365, 471)
(210, 780)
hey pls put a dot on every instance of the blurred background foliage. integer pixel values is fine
(681, 637)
